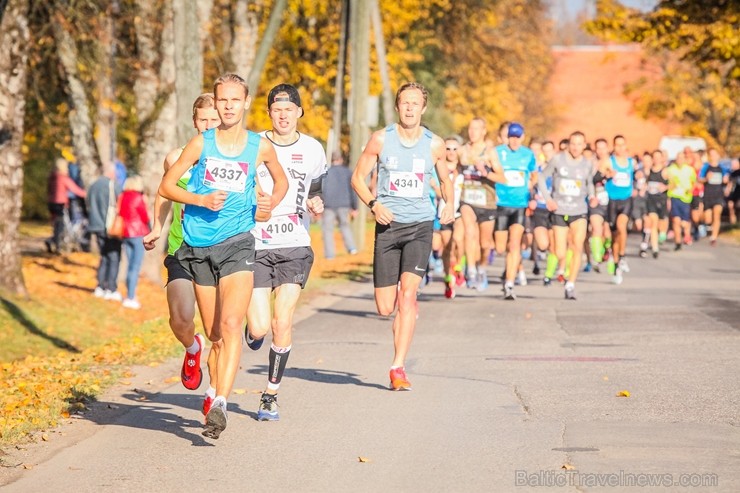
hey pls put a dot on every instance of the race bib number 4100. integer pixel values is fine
(229, 176)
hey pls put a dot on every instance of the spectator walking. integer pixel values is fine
(101, 207)
(59, 187)
(132, 209)
(340, 205)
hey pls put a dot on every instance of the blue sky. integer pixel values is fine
(571, 7)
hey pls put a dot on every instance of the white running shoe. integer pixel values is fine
(617, 278)
(113, 296)
(133, 304)
(521, 278)
(623, 265)
(99, 292)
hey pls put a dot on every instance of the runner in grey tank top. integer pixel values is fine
(572, 191)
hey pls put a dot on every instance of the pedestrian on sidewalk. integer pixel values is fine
(340, 205)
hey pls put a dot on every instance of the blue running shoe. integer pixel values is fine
(587, 268)
(254, 344)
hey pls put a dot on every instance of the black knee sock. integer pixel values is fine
(278, 360)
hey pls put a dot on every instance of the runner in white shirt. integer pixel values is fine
(284, 255)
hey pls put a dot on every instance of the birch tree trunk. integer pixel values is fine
(14, 36)
(156, 103)
(80, 122)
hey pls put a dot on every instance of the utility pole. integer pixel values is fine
(336, 126)
(359, 18)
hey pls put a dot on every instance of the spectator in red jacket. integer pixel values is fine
(135, 227)
(59, 186)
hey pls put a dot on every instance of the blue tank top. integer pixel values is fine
(403, 177)
(215, 171)
(518, 166)
(619, 187)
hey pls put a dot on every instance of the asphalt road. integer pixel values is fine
(508, 396)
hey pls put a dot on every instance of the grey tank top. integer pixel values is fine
(403, 177)
(570, 184)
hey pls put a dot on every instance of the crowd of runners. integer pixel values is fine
(571, 207)
(239, 247)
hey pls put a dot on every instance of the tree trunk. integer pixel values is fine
(156, 103)
(14, 38)
(105, 122)
(359, 42)
(79, 113)
(265, 44)
(188, 66)
(243, 45)
(388, 114)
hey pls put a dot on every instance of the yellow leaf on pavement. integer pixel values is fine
(567, 467)
(623, 393)
(240, 391)
(363, 459)
(172, 380)
(45, 437)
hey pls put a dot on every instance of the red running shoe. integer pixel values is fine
(459, 278)
(399, 380)
(449, 290)
(191, 373)
(207, 401)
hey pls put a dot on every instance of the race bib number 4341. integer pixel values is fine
(406, 184)
(229, 176)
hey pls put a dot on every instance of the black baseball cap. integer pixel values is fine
(284, 93)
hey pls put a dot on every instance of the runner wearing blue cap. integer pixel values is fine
(519, 167)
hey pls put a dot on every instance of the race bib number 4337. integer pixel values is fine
(229, 176)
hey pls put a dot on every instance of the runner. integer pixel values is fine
(284, 256)
(478, 202)
(600, 241)
(406, 155)
(732, 191)
(715, 179)
(657, 201)
(572, 187)
(452, 235)
(218, 248)
(681, 178)
(542, 227)
(517, 164)
(639, 201)
(180, 293)
(699, 229)
(620, 177)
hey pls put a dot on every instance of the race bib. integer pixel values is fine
(602, 196)
(569, 187)
(475, 196)
(406, 184)
(229, 176)
(653, 187)
(621, 179)
(280, 229)
(714, 178)
(514, 178)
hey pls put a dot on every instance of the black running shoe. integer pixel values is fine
(254, 344)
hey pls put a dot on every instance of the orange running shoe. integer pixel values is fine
(399, 380)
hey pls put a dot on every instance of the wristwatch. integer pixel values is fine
(371, 204)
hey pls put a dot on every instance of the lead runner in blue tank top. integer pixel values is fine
(405, 154)
(220, 206)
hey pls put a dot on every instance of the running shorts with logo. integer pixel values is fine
(399, 248)
(618, 208)
(208, 265)
(508, 216)
(541, 218)
(279, 266)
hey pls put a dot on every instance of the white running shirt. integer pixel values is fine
(303, 161)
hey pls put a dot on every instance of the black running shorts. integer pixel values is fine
(508, 216)
(399, 248)
(279, 266)
(208, 265)
(175, 270)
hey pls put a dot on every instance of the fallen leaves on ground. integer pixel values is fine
(623, 393)
(363, 459)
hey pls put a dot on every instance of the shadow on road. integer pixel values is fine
(321, 376)
(15, 312)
